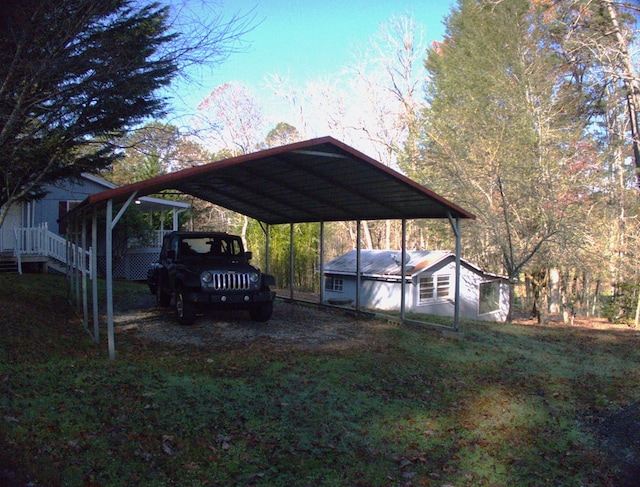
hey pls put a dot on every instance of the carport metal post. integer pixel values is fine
(66, 254)
(85, 303)
(109, 277)
(76, 268)
(267, 248)
(94, 274)
(110, 224)
(321, 262)
(76, 261)
(69, 256)
(291, 260)
(403, 270)
(72, 271)
(358, 280)
(455, 225)
(267, 245)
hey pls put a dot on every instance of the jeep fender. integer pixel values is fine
(268, 280)
(186, 278)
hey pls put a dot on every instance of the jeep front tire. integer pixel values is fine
(261, 312)
(163, 298)
(185, 311)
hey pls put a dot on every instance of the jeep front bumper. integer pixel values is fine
(230, 298)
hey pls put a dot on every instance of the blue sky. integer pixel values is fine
(308, 40)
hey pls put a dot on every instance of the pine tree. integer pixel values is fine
(74, 74)
(496, 138)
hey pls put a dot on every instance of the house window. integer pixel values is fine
(435, 288)
(63, 208)
(334, 283)
(489, 297)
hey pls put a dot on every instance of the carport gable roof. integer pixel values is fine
(311, 181)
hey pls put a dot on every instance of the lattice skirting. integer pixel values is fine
(133, 266)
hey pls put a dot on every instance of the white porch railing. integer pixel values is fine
(160, 237)
(40, 241)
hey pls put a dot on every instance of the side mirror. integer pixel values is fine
(171, 254)
(248, 254)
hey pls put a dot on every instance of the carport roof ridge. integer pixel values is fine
(311, 181)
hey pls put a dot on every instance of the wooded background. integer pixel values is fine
(525, 113)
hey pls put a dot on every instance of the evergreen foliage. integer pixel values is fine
(72, 73)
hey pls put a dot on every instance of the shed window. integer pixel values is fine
(334, 283)
(435, 288)
(489, 297)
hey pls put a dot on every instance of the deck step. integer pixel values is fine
(8, 264)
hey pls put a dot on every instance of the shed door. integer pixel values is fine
(13, 219)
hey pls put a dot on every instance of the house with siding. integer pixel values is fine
(31, 234)
(429, 284)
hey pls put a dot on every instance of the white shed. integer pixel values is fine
(429, 287)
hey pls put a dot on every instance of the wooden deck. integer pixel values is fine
(9, 263)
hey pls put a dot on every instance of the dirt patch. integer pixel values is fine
(590, 322)
(292, 326)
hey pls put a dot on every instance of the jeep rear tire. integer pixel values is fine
(185, 311)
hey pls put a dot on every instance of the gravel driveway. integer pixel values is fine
(296, 325)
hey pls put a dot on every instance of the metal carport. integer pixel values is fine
(318, 180)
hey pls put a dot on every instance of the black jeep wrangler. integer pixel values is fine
(209, 270)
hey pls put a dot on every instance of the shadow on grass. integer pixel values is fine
(507, 405)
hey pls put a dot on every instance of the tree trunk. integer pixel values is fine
(630, 81)
(635, 322)
(4, 210)
(557, 290)
(596, 295)
(512, 300)
(539, 281)
(367, 235)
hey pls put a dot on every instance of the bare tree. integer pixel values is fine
(596, 37)
(231, 119)
(627, 74)
(371, 105)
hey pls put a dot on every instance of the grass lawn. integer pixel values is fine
(507, 405)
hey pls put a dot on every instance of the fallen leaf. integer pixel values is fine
(168, 445)
(225, 441)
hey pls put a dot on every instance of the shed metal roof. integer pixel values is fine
(315, 180)
(385, 264)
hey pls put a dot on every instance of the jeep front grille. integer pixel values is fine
(230, 281)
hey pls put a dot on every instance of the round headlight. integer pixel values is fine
(253, 277)
(206, 277)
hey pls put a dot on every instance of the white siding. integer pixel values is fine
(385, 295)
(13, 219)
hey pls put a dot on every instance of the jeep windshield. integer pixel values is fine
(210, 247)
